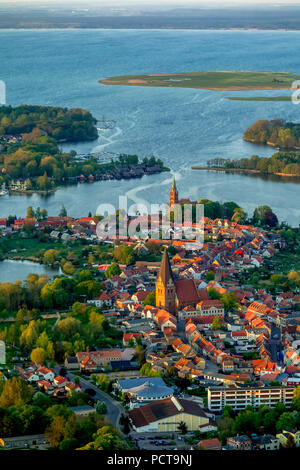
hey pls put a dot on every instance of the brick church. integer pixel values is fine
(171, 294)
(173, 199)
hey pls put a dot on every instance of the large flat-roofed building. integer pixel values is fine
(240, 398)
(166, 415)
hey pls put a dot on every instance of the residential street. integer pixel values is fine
(114, 408)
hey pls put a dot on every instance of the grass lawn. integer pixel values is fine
(212, 80)
(25, 247)
(285, 262)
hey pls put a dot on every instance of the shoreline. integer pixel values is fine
(242, 170)
(248, 88)
(270, 144)
(33, 191)
(72, 28)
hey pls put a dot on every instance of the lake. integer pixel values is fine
(182, 127)
(11, 270)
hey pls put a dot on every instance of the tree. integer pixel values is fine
(55, 431)
(38, 355)
(112, 270)
(89, 288)
(296, 399)
(50, 256)
(239, 216)
(286, 420)
(101, 408)
(15, 392)
(271, 219)
(225, 428)
(229, 300)
(124, 254)
(216, 324)
(290, 442)
(106, 438)
(150, 299)
(229, 208)
(182, 427)
(30, 212)
(68, 268)
(44, 214)
(103, 382)
(263, 215)
(147, 371)
(63, 211)
(210, 276)
(68, 327)
(214, 294)
(68, 444)
(43, 182)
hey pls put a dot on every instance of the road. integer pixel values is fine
(114, 408)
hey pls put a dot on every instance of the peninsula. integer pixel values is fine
(279, 164)
(221, 80)
(32, 161)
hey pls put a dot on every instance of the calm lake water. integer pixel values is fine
(11, 271)
(182, 127)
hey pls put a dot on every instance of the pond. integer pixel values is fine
(15, 270)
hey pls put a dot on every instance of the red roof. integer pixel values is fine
(186, 291)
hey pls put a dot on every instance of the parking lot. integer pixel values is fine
(159, 441)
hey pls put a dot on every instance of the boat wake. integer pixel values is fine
(133, 194)
(109, 140)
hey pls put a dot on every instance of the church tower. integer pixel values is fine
(165, 286)
(173, 195)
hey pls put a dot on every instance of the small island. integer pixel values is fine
(277, 133)
(31, 160)
(221, 80)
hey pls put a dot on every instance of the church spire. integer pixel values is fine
(165, 272)
(173, 194)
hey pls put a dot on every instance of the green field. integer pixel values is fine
(211, 80)
(261, 98)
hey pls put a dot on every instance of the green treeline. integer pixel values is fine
(39, 161)
(72, 125)
(24, 411)
(275, 132)
(287, 163)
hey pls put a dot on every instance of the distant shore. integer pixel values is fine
(242, 170)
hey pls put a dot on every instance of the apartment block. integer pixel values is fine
(240, 398)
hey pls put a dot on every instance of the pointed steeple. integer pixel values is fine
(165, 272)
(174, 184)
(173, 194)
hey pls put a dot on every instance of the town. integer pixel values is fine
(151, 343)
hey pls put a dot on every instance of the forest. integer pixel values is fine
(276, 132)
(63, 124)
(38, 160)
